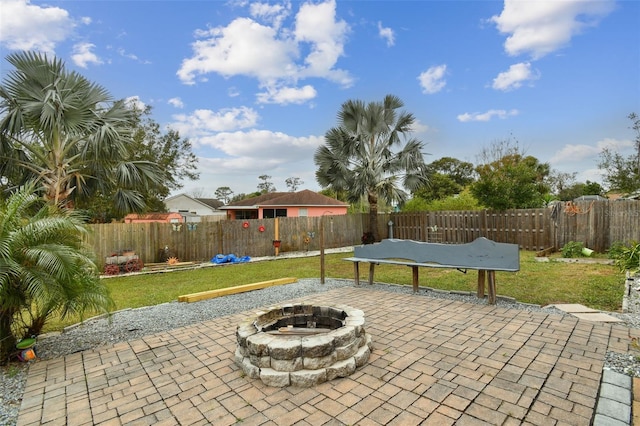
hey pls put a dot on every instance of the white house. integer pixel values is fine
(192, 208)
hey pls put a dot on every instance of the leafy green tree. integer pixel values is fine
(224, 194)
(619, 173)
(169, 151)
(293, 183)
(461, 172)
(439, 186)
(365, 156)
(510, 180)
(242, 196)
(572, 192)
(462, 201)
(446, 176)
(579, 189)
(622, 173)
(69, 135)
(593, 188)
(266, 186)
(416, 204)
(559, 181)
(338, 195)
(44, 268)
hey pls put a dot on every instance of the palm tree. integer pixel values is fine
(44, 268)
(67, 133)
(365, 155)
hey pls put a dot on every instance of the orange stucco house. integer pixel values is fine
(285, 204)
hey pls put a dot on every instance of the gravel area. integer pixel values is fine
(131, 324)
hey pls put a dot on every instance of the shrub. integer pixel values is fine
(616, 250)
(627, 257)
(572, 249)
(45, 270)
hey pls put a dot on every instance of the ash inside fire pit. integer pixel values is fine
(302, 345)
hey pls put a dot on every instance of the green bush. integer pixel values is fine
(627, 257)
(572, 249)
(616, 250)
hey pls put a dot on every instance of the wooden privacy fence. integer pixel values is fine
(532, 229)
(596, 224)
(202, 241)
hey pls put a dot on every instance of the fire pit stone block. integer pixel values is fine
(280, 346)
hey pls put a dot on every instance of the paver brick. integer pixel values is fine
(460, 364)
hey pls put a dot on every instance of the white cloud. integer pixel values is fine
(264, 145)
(273, 13)
(204, 122)
(419, 127)
(241, 173)
(176, 102)
(271, 54)
(387, 34)
(240, 154)
(83, 56)
(243, 156)
(579, 152)
(134, 102)
(124, 54)
(30, 27)
(514, 77)
(591, 175)
(244, 47)
(432, 80)
(542, 27)
(287, 95)
(316, 24)
(486, 116)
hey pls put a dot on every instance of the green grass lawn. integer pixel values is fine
(597, 286)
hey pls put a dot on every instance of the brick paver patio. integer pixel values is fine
(435, 362)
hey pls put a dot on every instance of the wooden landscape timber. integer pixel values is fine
(210, 294)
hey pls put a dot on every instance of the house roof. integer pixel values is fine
(208, 202)
(300, 198)
(590, 198)
(211, 202)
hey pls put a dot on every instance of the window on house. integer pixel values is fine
(246, 214)
(271, 213)
(302, 212)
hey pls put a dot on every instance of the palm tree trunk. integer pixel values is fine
(373, 215)
(7, 339)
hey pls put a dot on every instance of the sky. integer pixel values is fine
(255, 86)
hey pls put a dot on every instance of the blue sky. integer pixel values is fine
(255, 85)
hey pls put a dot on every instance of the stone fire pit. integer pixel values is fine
(302, 345)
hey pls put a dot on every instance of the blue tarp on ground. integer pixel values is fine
(229, 258)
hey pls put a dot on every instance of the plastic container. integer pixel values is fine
(587, 252)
